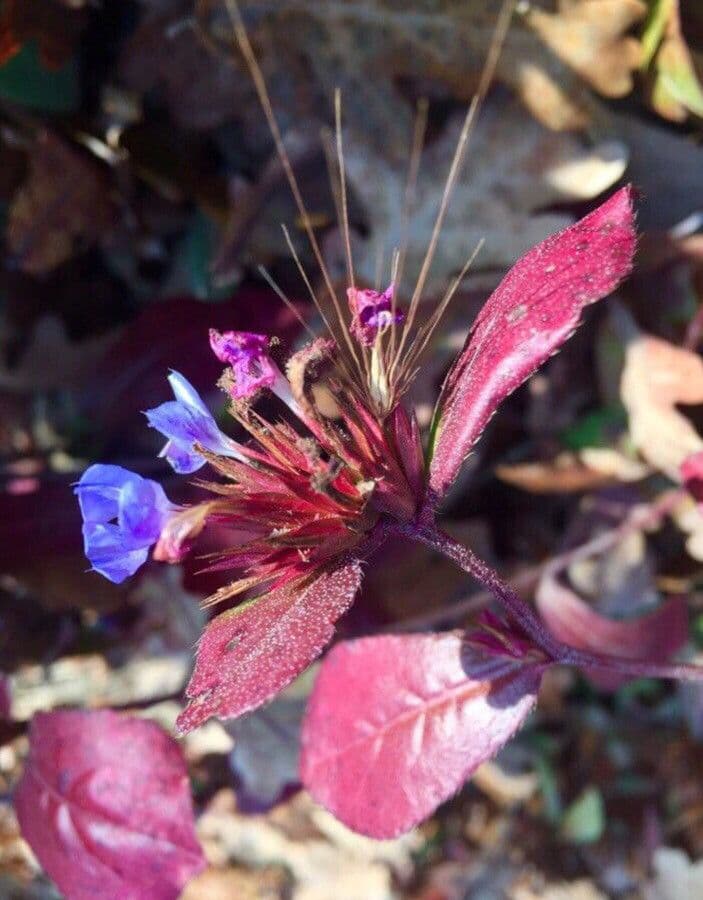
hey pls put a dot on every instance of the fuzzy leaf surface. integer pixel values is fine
(250, 653)
(526, 319)
(396, 724)
(105, 804)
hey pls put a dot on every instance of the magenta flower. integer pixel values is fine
(372, 313)
(123, 515)
(248, 355)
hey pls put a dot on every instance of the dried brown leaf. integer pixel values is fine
(55, 25)
(63, 206)
(590, 36)
(564, 474)
(520, 169)
(339, 43)
(658, 376)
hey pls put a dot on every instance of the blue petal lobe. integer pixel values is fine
(98, 491)
(111, 553)
(182, 459)
(184, 392)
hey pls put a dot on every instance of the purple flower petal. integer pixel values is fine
(183, 424)
(99, 489)
(111, 552)
(184, 392)
(141, 509)
(144, 510)
(372, 313)
(181, 458)
(248, 355)
(187, 421)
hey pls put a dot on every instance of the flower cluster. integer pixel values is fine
(307, 493)
(299, 493)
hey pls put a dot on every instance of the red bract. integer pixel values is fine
(104, 802)
(528, 317)
(249, 654)
(395, 725)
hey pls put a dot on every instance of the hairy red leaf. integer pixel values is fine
(654, 637)
(105, 804)
(395, 725)
(250, 653)
(531, 313)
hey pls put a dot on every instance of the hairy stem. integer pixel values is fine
(530, 622)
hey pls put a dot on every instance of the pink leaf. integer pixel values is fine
(531, 313)
(395, 725)
(654, 637)
(105, 804)
(250, 653)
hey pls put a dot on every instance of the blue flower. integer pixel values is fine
(123, 515)
(186, 421)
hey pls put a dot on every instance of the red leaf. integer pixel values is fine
(654, 637)
(395, 725)
(250, 653)
(531, 313)
(105, 804)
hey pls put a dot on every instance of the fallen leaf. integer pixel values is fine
(105, 804)
(613, 463)
(591, 37)
(688, 517)
(500, 203)
(566, 473)
(51, 218)
(267, 744)
(656, 378)
(324, 862)
(676, 90)
(227, 884)
(504, 788)
(89, 680)
(581, 889)
(192, 65)
(55, 25)
(676, 877)
(584, 820)
(421, 714)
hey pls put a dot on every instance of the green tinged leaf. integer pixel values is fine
(25, 81)
(199, 250)
(584, 820)
(654, 28)
(677, 76)
(595, 429)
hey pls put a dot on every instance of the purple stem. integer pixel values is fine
(530, 621)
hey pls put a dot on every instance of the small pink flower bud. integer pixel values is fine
(372, 313)
(248, 355)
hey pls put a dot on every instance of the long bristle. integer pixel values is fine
(257, 75)
(424, 335)
(390, 350)
(501, 30)
(313, 296)
(266, 275)
(343, 185)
